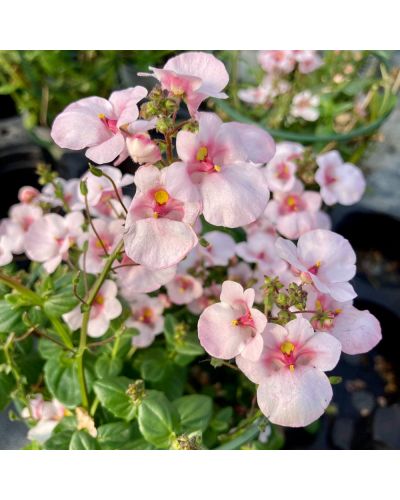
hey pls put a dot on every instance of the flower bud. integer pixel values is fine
(27, 194)
(136, 391)
(142, 149)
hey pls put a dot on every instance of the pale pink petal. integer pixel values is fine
(108, 150)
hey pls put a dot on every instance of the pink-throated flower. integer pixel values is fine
(293, 389)
(324, 259)
(217, 168)
(232, 326)
(146, 316)
(159, 231)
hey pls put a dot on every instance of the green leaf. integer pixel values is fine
(222, 420)
(173, 382)
(169, 328)
(112, 395)
(158, 419)
(121, 436)
(49, 349)
(106, 366)
(60, 303)
(152, 364)
(7, 384)
(10, 318)
(190, 346)
(81, 440)
(59, 441)
(195, 412)
(61, 377)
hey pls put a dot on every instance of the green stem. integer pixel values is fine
(85, 321)
(23, 290)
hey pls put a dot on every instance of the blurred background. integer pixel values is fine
(36, 85)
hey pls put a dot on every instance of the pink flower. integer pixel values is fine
(159, 225)
(210, 296)
(146, 316)
(100, 189)
(21, 217)
(305, 105)
(28, 194)
(47, 413)
(232, 326)
(105, 308)
(254, 95)
(261, 225)
(323, 258)
(220, 249)
(194, 76)
(48, 239)
(308, 60)
(70, 191)
(277, 61)
(217, 169)
(280, 173)
(260, 249)
(142, 149)
(290, 151)
(293, 389)
(183, 289)
(134, 278)
(99, 124)
(340, 182)
(297, 211)
(357, 331)
(110, 233)
(5, 251)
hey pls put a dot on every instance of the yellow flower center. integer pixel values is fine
(287, 348)
(99, 300)
(101, 116)
(161, 196)
(202, 153)
(235, 322)
(291, 201)
(217, 168)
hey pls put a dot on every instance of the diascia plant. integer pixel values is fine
(184, 317)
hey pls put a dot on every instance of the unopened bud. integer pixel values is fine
(142, 149)
(136, 391)
(27, 194)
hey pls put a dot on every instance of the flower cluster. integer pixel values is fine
(166, 240)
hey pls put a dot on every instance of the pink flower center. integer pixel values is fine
(146, 315)
(287, 350)
(245, 320)
(163, 205)
(205, 164)
(315, 268)
(292, 203)
(110, 124)
(184, 284)
(282, 172)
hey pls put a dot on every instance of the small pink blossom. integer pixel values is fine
(5, 251)
(21, 217)
(218, 252)
(254, 95)
(194, 76)
(340, 182)
(146, 317)
(293, 389)
(308, 60)
(210, 296)
(217, 168)
(183, 289)
(47, 413)
(28, 194)
(110, 233)
(277, 61)
(142, 149)
(260, 249)
(105, 307)
(100, 124)
(261, 225)
(290, 151)
(323, 258)
(280, 173)
(305, 105)
(357, 331)
(100, 189)
(70, 191)
(232, 326)
(133, 278)
(297, 211)
(159, 225)
(48, 239)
